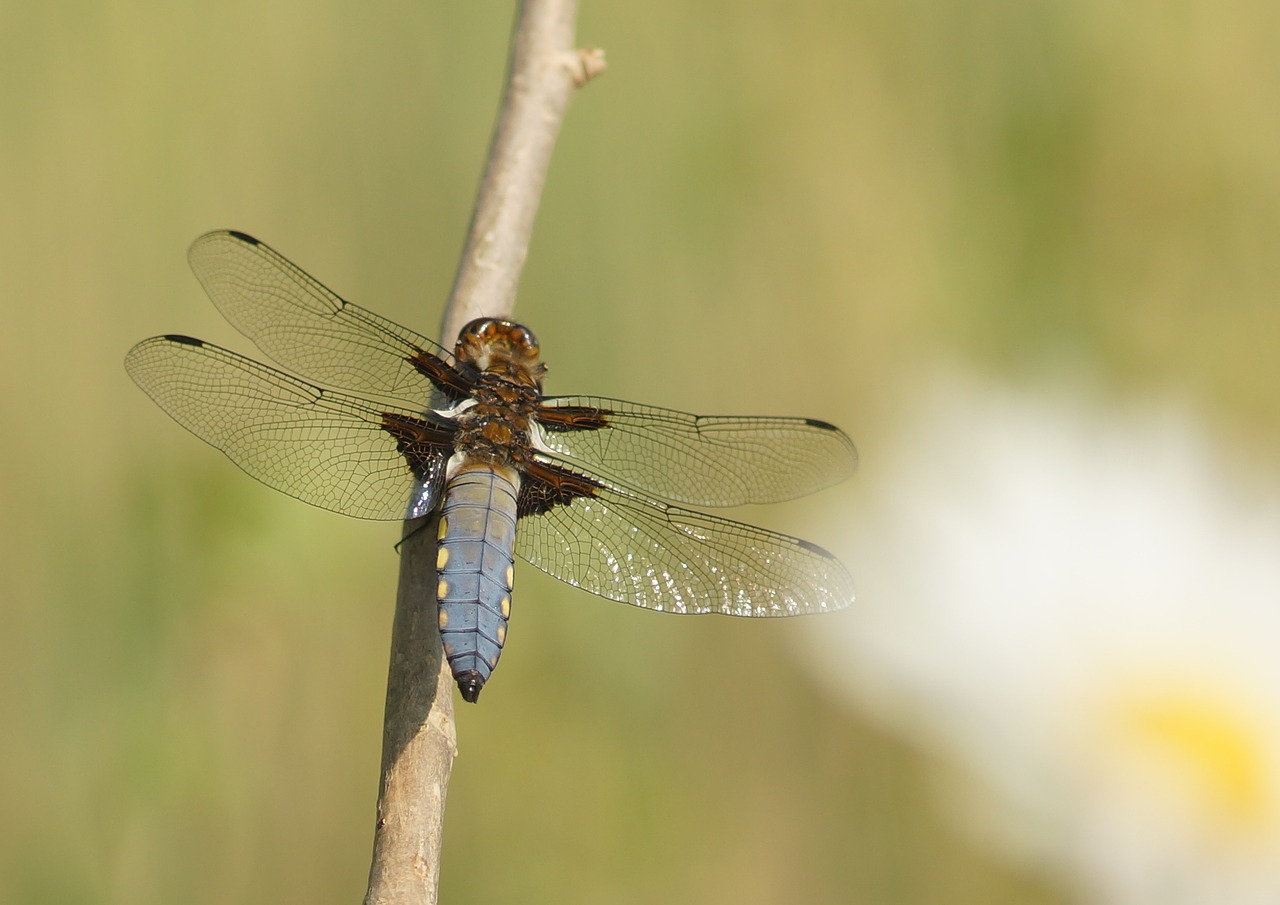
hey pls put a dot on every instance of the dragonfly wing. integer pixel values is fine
(706, 460)
(326, 448)
(627, 547)
(309, 329)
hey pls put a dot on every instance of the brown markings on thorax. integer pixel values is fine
(495, 429)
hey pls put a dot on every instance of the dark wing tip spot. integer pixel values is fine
(243, 237)
(184, 340)
(814, 548)
(821, 425)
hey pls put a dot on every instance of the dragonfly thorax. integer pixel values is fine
(495, 430)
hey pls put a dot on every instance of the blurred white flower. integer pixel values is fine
(1078, 610)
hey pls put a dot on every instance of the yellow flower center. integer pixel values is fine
(1207, 747)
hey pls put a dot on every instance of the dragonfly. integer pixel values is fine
(594, 491)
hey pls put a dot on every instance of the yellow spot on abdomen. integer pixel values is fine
(505, 607)
(442, 590)
(444, 528)
(511, 577)
(442, 557)
(443, 618)
(502, 634)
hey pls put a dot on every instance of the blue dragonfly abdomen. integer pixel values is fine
(476, 568)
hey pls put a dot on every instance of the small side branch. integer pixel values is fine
(544, 70)
(419, 739)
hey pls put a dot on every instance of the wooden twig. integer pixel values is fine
(418, 738)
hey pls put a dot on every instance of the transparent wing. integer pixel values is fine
(707, 460)
(307, 328)
(325, 448)
(626, 547)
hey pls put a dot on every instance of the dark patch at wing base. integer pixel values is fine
(573, 418)
(543, 486)
(452, 381)
(422, 443)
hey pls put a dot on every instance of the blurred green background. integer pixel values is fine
(760, 207)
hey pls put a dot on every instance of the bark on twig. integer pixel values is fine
(419, 740)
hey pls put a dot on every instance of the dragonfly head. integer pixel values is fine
(501, 347)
